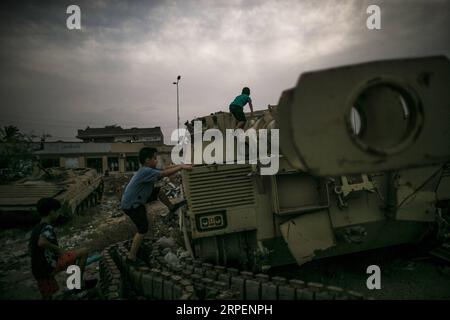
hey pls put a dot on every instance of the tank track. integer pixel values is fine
(111, 281)
(194, 280)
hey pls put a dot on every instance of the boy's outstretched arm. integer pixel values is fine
(251, 107)
(44, 243)
(170, 167)
(174, 169)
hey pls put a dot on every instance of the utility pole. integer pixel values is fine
(178, 108)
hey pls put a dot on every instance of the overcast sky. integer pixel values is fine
(119, 68)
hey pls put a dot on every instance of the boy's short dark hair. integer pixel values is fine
(246, 90)
(46, 205)
(146, 153)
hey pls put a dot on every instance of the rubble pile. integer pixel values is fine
(14, 249)
(165, 227)
(112, 207)
(172, 186)
(115, 184)
(15, 266)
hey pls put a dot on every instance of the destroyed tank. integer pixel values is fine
(76, 189)
(363, 164)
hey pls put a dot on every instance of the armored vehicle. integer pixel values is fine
(363, 163)
(76, 189)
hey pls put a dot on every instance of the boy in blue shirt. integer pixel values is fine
(237, 107)
(141, 190)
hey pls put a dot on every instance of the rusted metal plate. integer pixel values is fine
(306, 234)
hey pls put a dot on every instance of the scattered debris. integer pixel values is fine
(171, 190)
(117, 214)
(181, 253)
(115, 184)
(166, 242)
(172, 259)
(442, 252)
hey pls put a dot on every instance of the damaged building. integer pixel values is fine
(111, 149)
(114, 157)
(116, 133)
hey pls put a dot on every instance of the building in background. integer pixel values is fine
(116, 133)
(116, 157)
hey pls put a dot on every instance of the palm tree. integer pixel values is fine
(16, 154)
(10, 134)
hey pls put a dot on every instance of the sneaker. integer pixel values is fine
(178, 205)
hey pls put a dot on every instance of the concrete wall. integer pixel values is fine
(74, 148)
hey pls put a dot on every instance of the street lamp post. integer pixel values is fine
(178, 109)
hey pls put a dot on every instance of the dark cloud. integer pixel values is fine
(120, 67)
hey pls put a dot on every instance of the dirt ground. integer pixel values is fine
(404, 273)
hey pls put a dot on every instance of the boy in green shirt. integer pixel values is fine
(237, 107)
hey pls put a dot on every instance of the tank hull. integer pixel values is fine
(76, 189)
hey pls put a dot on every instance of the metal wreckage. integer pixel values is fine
(76, 189)
(364, 164)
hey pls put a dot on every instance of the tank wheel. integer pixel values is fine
(100, 190)
(233, 250)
